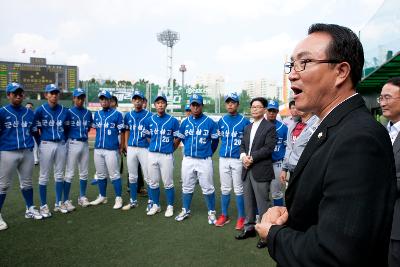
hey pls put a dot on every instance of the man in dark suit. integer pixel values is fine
(390, 104)
(259, 139)
(340, 199)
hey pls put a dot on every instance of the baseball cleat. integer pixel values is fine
(149, 205)
(211, 217)
(118, 203)
(83, 202)
(170, 211)
(33, 213)
(99, 200)
(131, 205)
(154, 209)
(222, 220)
(183, 215)
(45, 212)
(60, 207)
(240, 223)
(3, 224)
(69, 206)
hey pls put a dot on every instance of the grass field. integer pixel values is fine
(102, 236)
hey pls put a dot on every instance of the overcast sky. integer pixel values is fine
(241, 40)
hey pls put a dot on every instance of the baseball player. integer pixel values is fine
(78, 148)
(200, 138)
(16, 144)
(162, 129)
(109, 125)
(52, 122)
(137, 146)
(279, 152)
(231, 129)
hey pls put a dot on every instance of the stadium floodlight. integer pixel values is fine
(169, 38)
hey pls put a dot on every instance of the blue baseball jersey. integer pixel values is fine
(109, 124)
(80, 122)
(134, 122)
(16, 127)
(231, 129)
(162, 131)
(53, 123)
(196, 134)
(280, 147)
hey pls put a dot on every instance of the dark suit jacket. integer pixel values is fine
(340, 199)
(396, 216)
(261, 150)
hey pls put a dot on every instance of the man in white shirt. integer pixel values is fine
(389, 101)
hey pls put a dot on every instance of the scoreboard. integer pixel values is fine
(34, 76)
(36, 80)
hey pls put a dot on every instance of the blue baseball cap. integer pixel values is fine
(232, 96)
(12, 87)
(78, 92)
(160, 96)
(137, 93)
(187, 107)
(105, 93)
(272, 104)
(51, 88)
(196, 98)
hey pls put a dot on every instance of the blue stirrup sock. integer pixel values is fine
(225, 200)
(170, 192)
(27, 193)
(187, 200)
(155, 194)
(82, 187)
(43, 194)
(59, 191)
(149, 193)
(117, 187)
(102, 183)
(67, 189)
(210, 200)
(133, 191)
(240, 205)
(2, 198)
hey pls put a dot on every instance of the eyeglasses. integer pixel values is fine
(385, 98)
(257, 107)
(300, 65)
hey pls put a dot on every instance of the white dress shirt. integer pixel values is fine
(253, 133)
(393, 130)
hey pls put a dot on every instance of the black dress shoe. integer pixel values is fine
(261, 244)
(246, 234)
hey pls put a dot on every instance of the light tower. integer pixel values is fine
(183, 70)
(169, 38)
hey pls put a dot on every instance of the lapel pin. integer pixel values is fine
(319, 135)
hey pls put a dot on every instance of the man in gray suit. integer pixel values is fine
(390, 104)
(256, 149)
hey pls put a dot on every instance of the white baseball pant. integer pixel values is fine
(193, 168)
(106, 163)
(230, 172)
(52, 155)
(78, 154)
(18, 160)
(276, 184)
(134, 155)
(160, 166)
